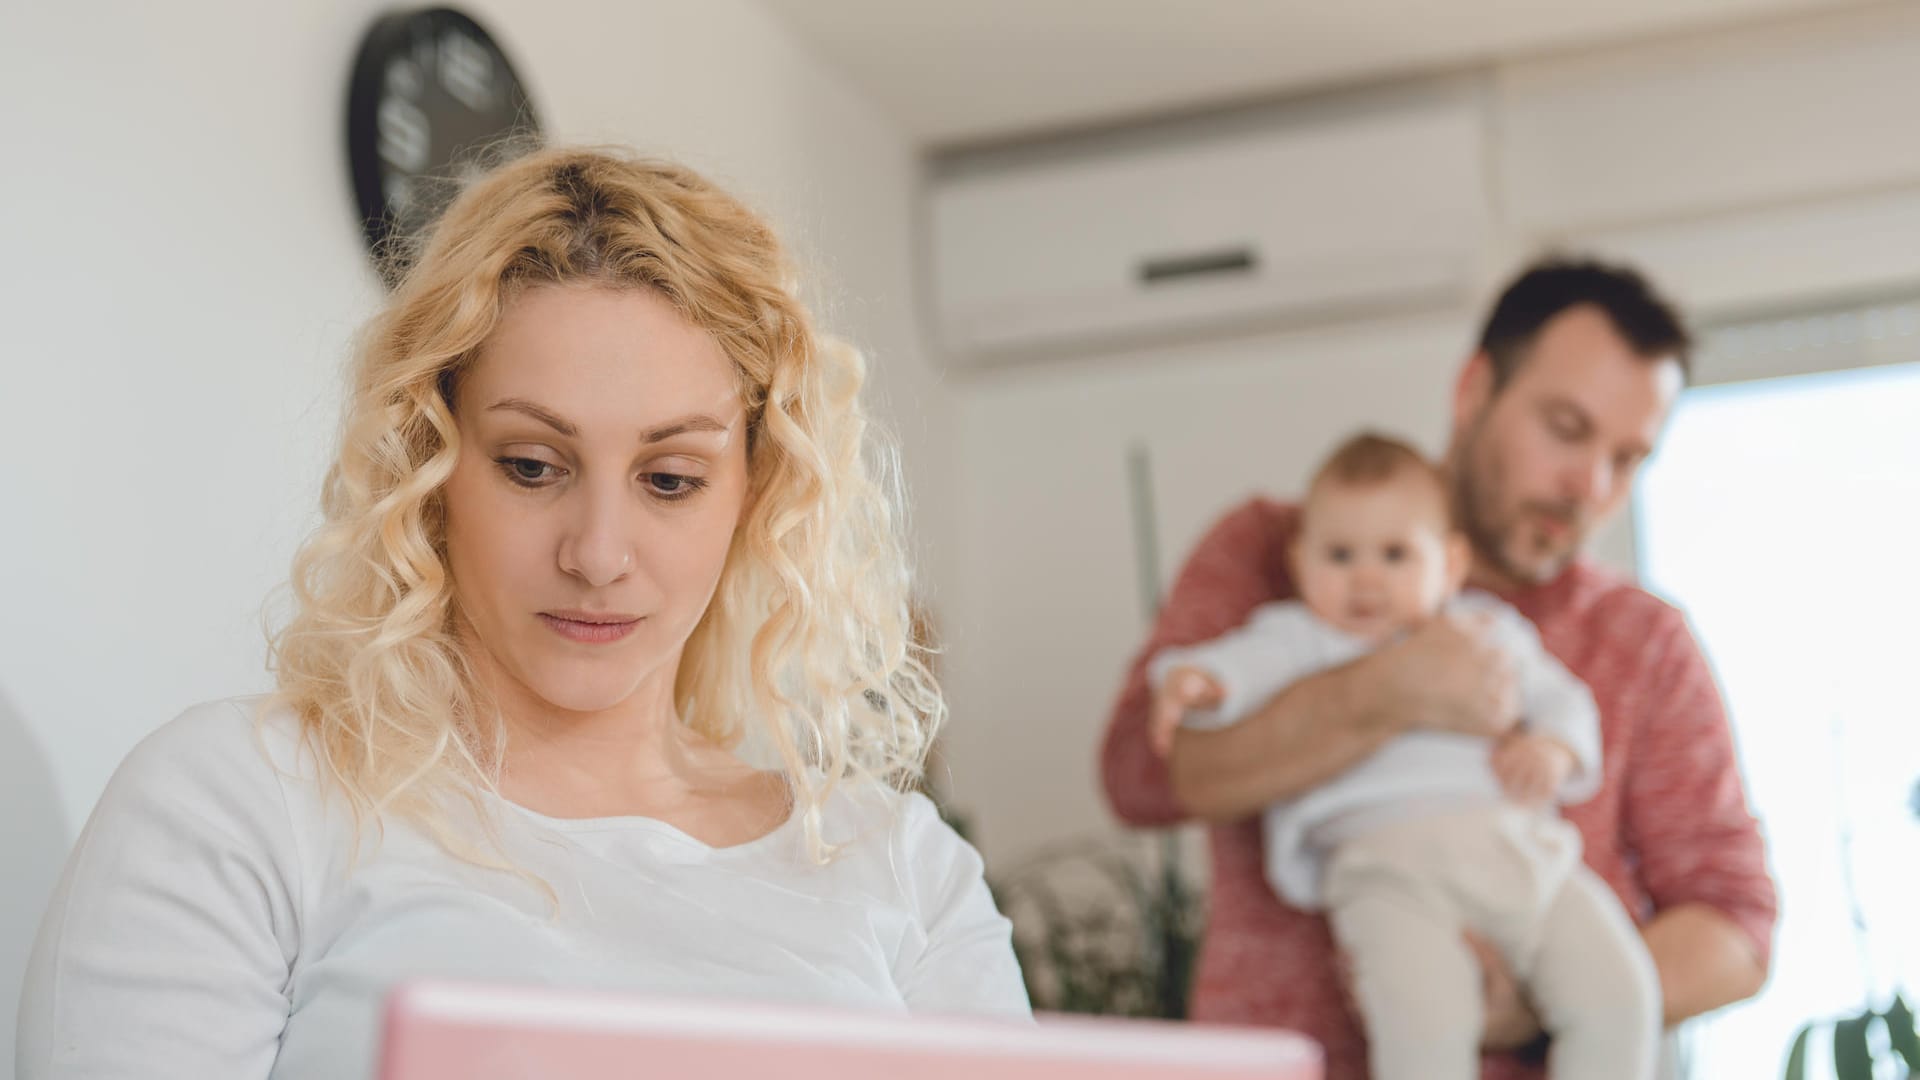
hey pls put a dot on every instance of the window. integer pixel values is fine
(1784, 516)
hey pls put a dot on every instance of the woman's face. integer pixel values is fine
(602, 471)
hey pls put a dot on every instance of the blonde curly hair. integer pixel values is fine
(808, 641)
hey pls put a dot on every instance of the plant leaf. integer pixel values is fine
(1851, 1059)
(1797, 1057)
(1900, 1031)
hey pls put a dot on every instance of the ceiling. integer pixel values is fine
(976, 71)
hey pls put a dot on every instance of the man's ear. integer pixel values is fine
(1459, 560)
(1472, 390)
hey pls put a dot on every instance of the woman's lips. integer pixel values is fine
(589, 627)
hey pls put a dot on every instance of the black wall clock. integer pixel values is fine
(433, 100)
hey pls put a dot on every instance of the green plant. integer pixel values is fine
(1855, 1040)
(1864, 1042)
(1105, 926)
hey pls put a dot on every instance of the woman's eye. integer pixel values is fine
(1340, 554)
(673, 485)
(527, 472)
(1396, 553)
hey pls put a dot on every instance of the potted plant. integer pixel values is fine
(1874, 1042)
(1107, 925)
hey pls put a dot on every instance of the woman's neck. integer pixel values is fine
(635, 759)
(640, 735)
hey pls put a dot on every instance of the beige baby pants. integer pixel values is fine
(1399, 896)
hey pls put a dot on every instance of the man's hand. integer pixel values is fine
(1510, 1022)
(1531, 767)
(1446, 676)
(1184, 688)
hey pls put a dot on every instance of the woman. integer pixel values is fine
(600, 525)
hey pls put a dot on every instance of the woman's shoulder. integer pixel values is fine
(859, 809)
(207, 788)
(232, 751)
(903, 836)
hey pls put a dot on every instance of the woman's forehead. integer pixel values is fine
(602, 358)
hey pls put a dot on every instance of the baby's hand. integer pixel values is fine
(1184, 688)
(1531, 767)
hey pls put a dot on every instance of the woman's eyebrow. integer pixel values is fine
(698, 422)
(521, 405)
(682, 426)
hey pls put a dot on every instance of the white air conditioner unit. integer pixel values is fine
(1378, 210)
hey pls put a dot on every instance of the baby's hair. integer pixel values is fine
(1370, 459)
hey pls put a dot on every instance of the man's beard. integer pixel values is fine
(1495, 535)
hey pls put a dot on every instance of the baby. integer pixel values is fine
(1435, 834)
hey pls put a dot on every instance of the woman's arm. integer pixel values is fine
(962, 961)
(166, 947)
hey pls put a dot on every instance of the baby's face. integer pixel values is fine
(1374, 559)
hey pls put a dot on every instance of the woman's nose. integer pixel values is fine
(598, 545)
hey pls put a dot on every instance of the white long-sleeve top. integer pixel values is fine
(1284, 641)
(212, 922)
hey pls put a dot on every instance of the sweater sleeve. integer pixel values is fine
(1685, 804)
(961, 961)
(166, 949)
(1223, 580)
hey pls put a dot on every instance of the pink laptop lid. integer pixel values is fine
(450, 1031)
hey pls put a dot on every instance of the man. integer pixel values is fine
(1576, 372)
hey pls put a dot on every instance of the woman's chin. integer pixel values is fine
(565, 680)
(583, 691)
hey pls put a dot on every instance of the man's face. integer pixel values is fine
(1541, 462)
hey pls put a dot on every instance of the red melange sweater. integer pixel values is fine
(1669, 826)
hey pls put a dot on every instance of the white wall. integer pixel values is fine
(184, 271)
(185, 274)
(1763, 166)
(1711, 123)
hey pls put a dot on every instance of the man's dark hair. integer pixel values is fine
(1647, 320)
